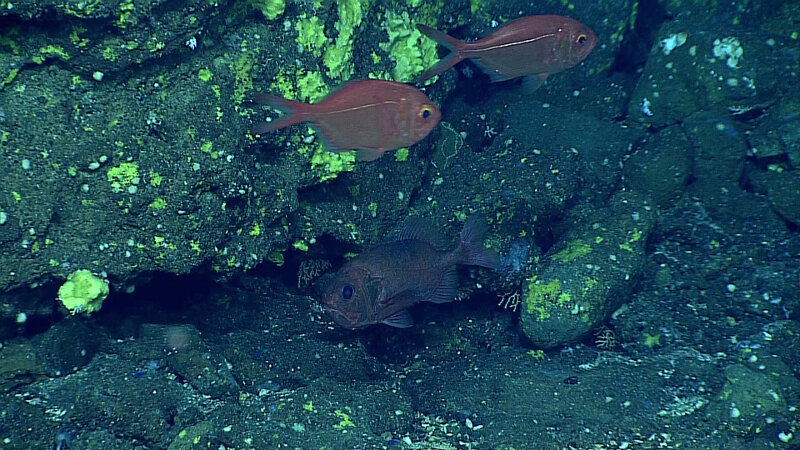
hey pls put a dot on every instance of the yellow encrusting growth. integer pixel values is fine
(270, 8)
(311, 34)
(123, 175)
(541, 297)
(411, 52)
(575, 249)
(83, 292)
(338, 57)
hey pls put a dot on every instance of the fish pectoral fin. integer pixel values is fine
(447, 289)
(387, 123)
(533, 82)
(368, 154)
(408, 293)
(400, 319)
(384, 299)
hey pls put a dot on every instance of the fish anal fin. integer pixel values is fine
(447, 289)
(323, 135)
(495, 75)
(533, 82)
(400, 319)
(369, 154)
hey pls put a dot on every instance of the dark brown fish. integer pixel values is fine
(370, 116)
(532, 46)
(379, 285)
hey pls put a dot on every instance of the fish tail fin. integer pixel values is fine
(452, 44)
(449, 42)
(471, 249)
(291, 109)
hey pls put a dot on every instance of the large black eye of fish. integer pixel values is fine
(581, 39)
(425, 112)
(347, 292)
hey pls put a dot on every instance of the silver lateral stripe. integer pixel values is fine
(511, 44)
(355, 108)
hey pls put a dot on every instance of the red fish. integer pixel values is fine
(380, 284)
(532, 46)
(370, 116)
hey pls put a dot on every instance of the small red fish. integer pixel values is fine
(532, 46)
(380, 284)
(370, 116)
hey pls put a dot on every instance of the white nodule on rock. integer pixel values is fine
(728, 49)
(672, 42)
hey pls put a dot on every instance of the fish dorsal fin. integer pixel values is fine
(417, 229)
(342, 87)
(400, 319)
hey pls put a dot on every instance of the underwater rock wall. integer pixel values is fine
(125, 133)
(127, 151)
(125, 129)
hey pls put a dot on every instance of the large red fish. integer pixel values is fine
(380, 284)
(370, 116)
(532, 46)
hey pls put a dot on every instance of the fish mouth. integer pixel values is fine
(339, 318)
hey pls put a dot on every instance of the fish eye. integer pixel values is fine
(425, 112)
(347, 292)
(581, 39)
